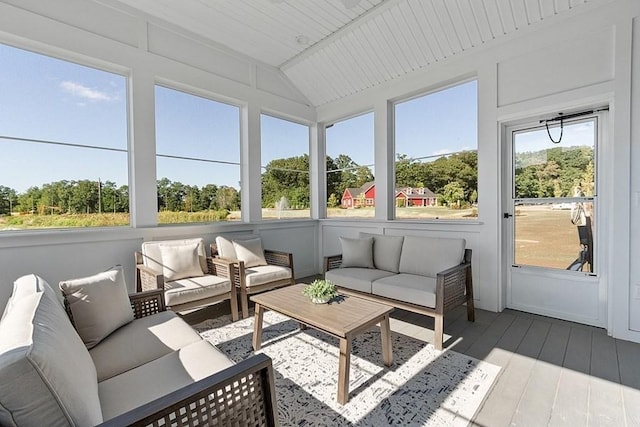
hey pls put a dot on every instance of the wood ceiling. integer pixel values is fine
(329, 51)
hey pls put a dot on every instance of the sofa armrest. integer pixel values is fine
(147, 303)
(243, 394)
(148, 279)
(454, 285)
(332, 261)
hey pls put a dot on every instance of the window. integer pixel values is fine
(198, 158)
(63, 136)
(285, 176)
(436, 155)
(350, 159)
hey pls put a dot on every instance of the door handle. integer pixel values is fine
(507, 215)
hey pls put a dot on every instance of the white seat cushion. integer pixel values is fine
(428, 256)
(152, 257)
(265, 274)
(410, 288)
(46, 374)
(358, 279)
(141, 341)
(162, 376)
(195, 288)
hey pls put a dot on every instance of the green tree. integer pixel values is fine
(289, 178)
(8, 200)
(453, 193)
(333, 201)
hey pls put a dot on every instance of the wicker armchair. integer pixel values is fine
(250, 280)
(243, 394)
(189, 292)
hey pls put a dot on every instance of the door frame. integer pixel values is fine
(604, 174)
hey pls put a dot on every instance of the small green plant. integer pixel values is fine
(320, 289)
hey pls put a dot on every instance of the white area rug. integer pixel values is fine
(423, 387)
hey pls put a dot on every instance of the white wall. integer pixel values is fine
(148, 51)
(555, 65)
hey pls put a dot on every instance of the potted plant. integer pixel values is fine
(320, 291)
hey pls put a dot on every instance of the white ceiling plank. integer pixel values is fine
(401, 33)
(519, 13)
(562, 5)
(574, 3)
(381, 50)
(506, 15)
(493, 15)
(534, 13)
(460, 25)
(380, 66)
(427, 28)
(361, 48)
(434, 22)
(416, 31)
(480, 14)
(470, 21)
(548, 8)
(351, 79)
(442, 14)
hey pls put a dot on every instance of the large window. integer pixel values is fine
(198, 158)
(285, 169)
(350, 160)
(63, 138)
(436, 155)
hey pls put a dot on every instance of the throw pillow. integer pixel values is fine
(250, 251)
(225, 248)
(180, 262)
(357, 252)
(99, 304)
(386, 251)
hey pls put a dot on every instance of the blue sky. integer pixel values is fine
(54, 100)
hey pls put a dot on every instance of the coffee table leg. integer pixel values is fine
(387, 350)
(343, 370)
(257, 328)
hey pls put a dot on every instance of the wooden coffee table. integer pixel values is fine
(344, 317)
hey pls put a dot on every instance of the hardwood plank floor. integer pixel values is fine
(554, 373)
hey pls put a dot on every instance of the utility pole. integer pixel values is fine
(99, 196)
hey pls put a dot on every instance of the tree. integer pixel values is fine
(333, 201)
(8, 200)
(289, 178)
(453, 193)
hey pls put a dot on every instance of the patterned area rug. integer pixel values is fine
(423, 387)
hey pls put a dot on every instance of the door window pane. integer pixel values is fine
(554, 197)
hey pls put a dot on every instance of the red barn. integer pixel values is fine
(357, 197)
(411, 196)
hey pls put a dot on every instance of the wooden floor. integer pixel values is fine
(554, 373)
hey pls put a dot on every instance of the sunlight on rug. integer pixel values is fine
(423, 387)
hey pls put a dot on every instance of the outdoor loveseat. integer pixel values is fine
(152, 369)
(426, 275)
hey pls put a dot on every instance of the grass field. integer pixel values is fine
(544, 237)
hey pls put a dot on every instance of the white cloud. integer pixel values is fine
(81, 91)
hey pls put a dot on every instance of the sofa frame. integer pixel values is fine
(454, 287)
(243, 394)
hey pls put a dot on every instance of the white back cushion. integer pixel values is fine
(428, 256)
(386, 251)
(99, 304)
(250, 251)
(180, 262)
(152, 257)
(46, 374)
(225, 248)
(357, 252)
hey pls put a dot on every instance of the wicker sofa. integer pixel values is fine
(154, 370)
(425, 275)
